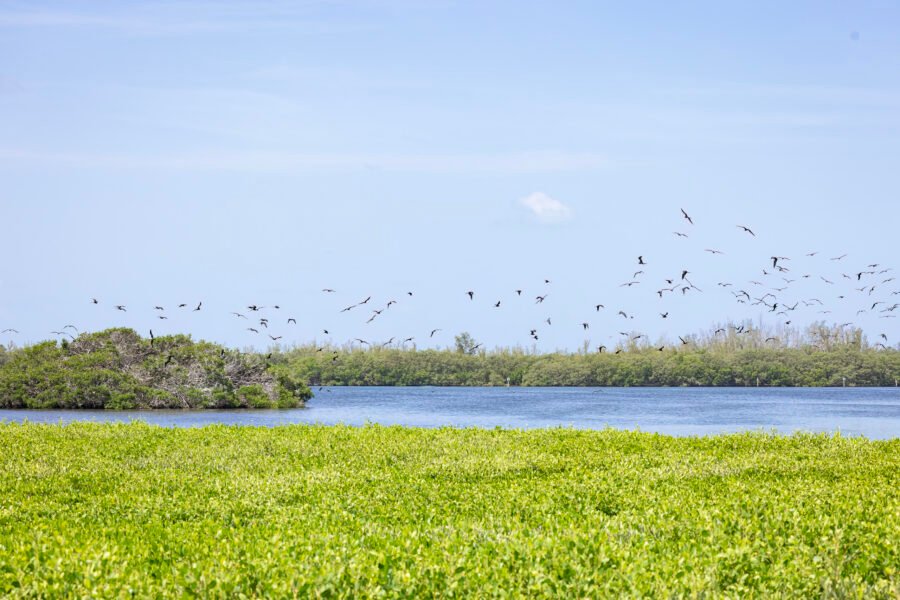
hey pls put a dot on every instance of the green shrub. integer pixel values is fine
(117, 369)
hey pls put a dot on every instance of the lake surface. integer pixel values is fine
(873, 412)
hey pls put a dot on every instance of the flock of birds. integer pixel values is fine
(773, 290)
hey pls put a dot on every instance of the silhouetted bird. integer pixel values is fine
(253, 330)
(121, 307)
(275, 338)
(94, 301)
(294, 321)
(641, 260)
(747, 229)
(688, 218)
(433, 331)
(497, 305)
(198, 307)
(585, 326)
(471, 295)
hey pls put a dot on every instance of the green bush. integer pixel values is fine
(117, 369)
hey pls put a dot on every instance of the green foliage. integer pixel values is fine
(465, 343)
(117, 369)
(687, 366)
(90, 510)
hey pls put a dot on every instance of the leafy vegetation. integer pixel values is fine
(91, 510)
(117, 369)
(730, 360)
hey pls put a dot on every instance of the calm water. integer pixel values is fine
(874, 413)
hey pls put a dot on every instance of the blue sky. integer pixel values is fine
(238, 153)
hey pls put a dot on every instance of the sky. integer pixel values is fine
(238, 153)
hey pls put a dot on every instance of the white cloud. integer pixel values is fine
(545, 208)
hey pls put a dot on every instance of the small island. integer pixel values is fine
(118, 369)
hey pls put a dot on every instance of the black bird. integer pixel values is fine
(548, 321)
(409, 339)
(162, 318)
(151, 338)
(471, 295)
(275, 338)
(252, 307)
(679, 234)
(598, 307)
(842, 256)
(664, 315)
(497, 305)
(714, 251)
(585, 325)
(94, 301)
(684, 273)
(348, 308)
(546, 281)
(253, 330)
(687, 217)
(684, 342)
(325, 331)
(747, 229)
(433, 331)
(409, 293)
(363, 302)
(158, 308)
(600, 349)
(518, 292)
(198, 307)
(121, 307)
(239, 315)
(661, 348)
(294, 321)
(182, 305)
(362, 341)
(328, 290)
(641, 260)
(539, 299)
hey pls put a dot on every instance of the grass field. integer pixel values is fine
(120, 510)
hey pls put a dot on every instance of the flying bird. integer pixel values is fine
(687, 217)
(747, 229)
